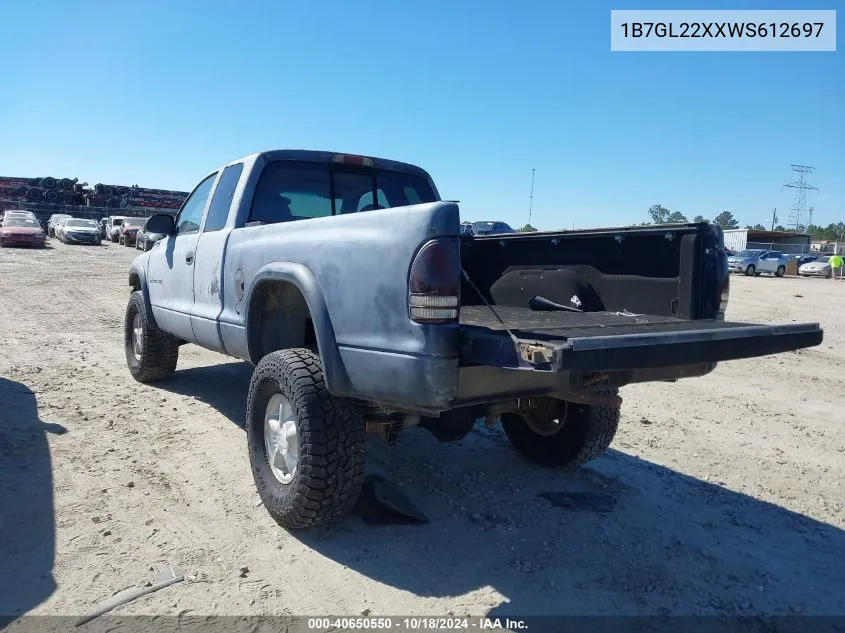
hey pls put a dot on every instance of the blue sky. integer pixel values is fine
(477, 92)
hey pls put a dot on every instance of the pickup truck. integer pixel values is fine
(345, 282)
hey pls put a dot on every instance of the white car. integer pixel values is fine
(819, 268)
(51, 223)
(80, 231)
(113, 223)
(58, 227)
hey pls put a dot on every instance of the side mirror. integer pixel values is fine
(160, 223)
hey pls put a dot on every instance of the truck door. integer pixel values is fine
(170, 274)
(208, 265)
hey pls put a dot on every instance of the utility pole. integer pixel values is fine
(774, 217)
(531, 198)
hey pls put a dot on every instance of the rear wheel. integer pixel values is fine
(781, 271)
(151, 354)
(750, 270)
(573, 434)
(306, 447)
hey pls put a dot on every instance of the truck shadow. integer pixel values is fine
(667, 544)
(27, 528)
(223, 387)
(641, 538)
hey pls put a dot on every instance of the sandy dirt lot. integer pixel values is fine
(727, 491)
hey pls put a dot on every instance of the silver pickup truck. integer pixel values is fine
(346, 282)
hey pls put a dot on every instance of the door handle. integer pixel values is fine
(189, 258)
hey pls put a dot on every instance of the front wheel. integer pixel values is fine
(306, 447)
(749, 272)
(781, 271)
(151, 354)
(573, 435)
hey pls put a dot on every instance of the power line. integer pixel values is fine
(800, 186)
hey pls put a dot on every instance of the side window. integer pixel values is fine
(221, 201)
(190, 216)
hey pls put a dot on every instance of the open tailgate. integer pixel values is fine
(607, 341)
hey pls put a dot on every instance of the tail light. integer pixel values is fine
(434, 282)
(723, 300)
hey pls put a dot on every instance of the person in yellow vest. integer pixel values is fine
(836, 265)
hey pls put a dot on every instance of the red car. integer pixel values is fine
(129, 230)
(22, 231)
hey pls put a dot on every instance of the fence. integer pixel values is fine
(43, 211)
(787, 249)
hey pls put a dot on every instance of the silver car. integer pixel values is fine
(819, 268)
(755, 261)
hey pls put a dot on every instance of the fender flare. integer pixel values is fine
(142, 279)
(334, 371)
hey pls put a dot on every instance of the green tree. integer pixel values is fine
(779, 228)
(659, 214)
(676, 217)
(527, 229)
(758, 227)
(726, 220)
(700, 218)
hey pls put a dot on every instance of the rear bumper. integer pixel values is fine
(23, 241)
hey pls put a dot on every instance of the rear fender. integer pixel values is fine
(334, 371)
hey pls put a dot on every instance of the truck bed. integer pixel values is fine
(608, 341)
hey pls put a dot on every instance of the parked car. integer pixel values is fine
(820, 267)
(393, 326)
(16, 230)
(145, 240)
(80, 231)
(129, 230)
(58, 227)
(113, 223)
(756, 261)
(491, 228)
(806, 259)
(51, 223)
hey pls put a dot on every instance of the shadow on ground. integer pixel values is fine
(654, 542)
(27, 527)
(223, 387)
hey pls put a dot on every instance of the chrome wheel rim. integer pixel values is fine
(137, 336)
(281, 438)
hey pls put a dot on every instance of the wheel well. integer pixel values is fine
(279, 318)
(134, 281)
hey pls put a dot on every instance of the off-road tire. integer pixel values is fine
(159, 350)
(750, 271)
(330, 471)
(586, 433)
(781, 271)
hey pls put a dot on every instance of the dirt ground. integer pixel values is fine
(722, 494)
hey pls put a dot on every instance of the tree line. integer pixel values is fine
(834, 232)
(661, 215)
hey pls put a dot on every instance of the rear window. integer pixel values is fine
(294, 190)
